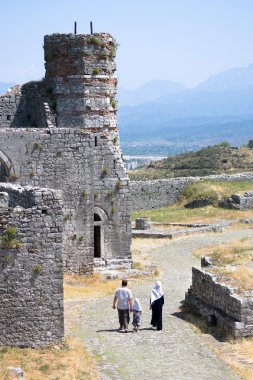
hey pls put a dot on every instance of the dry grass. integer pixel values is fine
(243, 278)
(141, 249)
(178, 213)
(239, 356)
(69, 362)
(86, 287)
(235, 252)
(233, 262)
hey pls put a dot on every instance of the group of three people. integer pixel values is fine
(123, 300)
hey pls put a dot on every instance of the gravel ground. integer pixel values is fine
(176, 352)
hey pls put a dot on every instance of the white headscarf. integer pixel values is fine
(137, 306)
(156, 292)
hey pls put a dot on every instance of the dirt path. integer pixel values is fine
(177, 352)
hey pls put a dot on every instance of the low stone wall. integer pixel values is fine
(31, 271)
(217, 303)
(170, 234)
(147, 195)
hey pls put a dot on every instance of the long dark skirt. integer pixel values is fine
(157, 313)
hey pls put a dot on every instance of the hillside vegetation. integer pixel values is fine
(211, 160)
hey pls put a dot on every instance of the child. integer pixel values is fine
(137, 310)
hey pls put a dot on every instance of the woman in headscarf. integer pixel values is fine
(156, 304)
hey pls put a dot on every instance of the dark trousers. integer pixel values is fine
(124, 318)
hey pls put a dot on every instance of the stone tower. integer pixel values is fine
(62, 133)
(80, 76)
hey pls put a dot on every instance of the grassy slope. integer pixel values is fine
(207, 161)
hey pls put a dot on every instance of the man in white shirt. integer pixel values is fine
(123, 299)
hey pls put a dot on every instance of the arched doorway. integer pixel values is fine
(3, 172)
(100, 222)
(97, 236)
(6, 167)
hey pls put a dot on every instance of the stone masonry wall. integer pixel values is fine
(80, 75)
(26, 106)
(81, 156)
(90, 176)
(31, 276)
(217, 302)
(161, 193)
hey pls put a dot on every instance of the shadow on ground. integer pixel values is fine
(187, 314)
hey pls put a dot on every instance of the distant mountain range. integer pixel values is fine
(163, 117)
(221, 108)
(148, 92)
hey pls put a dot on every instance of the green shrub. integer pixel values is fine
(9, 239)
(119, 184)
(197, 191)
(96, 71)
(37, 268)
(13, 177)
(102, 55)
(224, 144)
(114, 103)
(93, 41)
(105, 170)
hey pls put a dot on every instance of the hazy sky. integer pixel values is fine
(182, 40)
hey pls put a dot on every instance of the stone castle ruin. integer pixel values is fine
(60, 133)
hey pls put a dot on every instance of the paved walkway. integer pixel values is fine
(177, 352)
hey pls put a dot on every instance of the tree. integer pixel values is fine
(250, 144)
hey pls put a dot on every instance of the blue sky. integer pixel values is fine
(181, 40)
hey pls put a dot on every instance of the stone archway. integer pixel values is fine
(100, 220)
(6, 167)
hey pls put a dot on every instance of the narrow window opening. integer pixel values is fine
(96, 141)
(9, 117)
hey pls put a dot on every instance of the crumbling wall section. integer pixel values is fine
(60, 159)
(31, 268)
(89, 174)
(217, 303)
(25, 106)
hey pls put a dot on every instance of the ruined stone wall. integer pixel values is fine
(31, 273)
(158, 193)
(26, 106)
(161, 193)
(81, 156)
(217, 302)
(90, 176)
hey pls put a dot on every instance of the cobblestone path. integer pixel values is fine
(177, 352)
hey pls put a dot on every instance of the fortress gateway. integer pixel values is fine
(60, 134)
